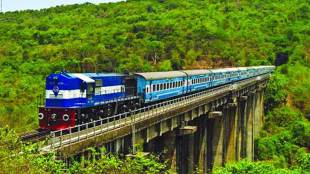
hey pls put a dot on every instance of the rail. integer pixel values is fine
(64, 137)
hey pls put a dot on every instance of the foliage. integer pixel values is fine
(16, 157)
(253, 167)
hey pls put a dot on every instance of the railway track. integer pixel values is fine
(34, 136)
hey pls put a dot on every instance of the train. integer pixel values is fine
(77, 98)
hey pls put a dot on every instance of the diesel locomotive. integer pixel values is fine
(77, 98)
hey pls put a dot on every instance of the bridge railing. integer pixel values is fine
(90, 129)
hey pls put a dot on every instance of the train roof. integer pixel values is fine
(88, 77)
(224, 70)
(83, 77)
(196, 72)
(161, 75)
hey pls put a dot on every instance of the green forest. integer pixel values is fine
(161, 35)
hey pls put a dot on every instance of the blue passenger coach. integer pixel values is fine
(154, 86)
(198, 79)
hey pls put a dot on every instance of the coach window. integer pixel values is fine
(154, 89)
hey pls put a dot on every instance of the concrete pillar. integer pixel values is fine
(226, 133)
(242, 112)
(185, 149)
(232, 123)
(200, 143)
(215, 137)
(256, 115)
(261, 109)
(119, 145)
(249, 128)
(170, 149)
(238, 131)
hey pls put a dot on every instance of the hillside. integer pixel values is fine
(141, 36)
(165, 35)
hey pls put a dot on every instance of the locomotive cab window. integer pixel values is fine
(98, 87)
(90, 90)
(98, 83)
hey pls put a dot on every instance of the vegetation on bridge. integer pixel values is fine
(161, 35)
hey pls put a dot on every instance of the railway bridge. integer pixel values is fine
(195, 132)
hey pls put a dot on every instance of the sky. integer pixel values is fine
(13, 5)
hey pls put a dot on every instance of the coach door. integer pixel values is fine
(130, 86)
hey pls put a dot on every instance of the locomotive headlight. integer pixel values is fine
(65, 117)
(41, 116)
(53, 116)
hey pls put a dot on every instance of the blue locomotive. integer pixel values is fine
(77, 98)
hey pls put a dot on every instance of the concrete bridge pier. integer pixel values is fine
(215, 137)
(241, 130)
(250, 128)
(230, 127)
(185, 149)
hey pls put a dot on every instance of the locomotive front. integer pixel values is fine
(64, 97)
